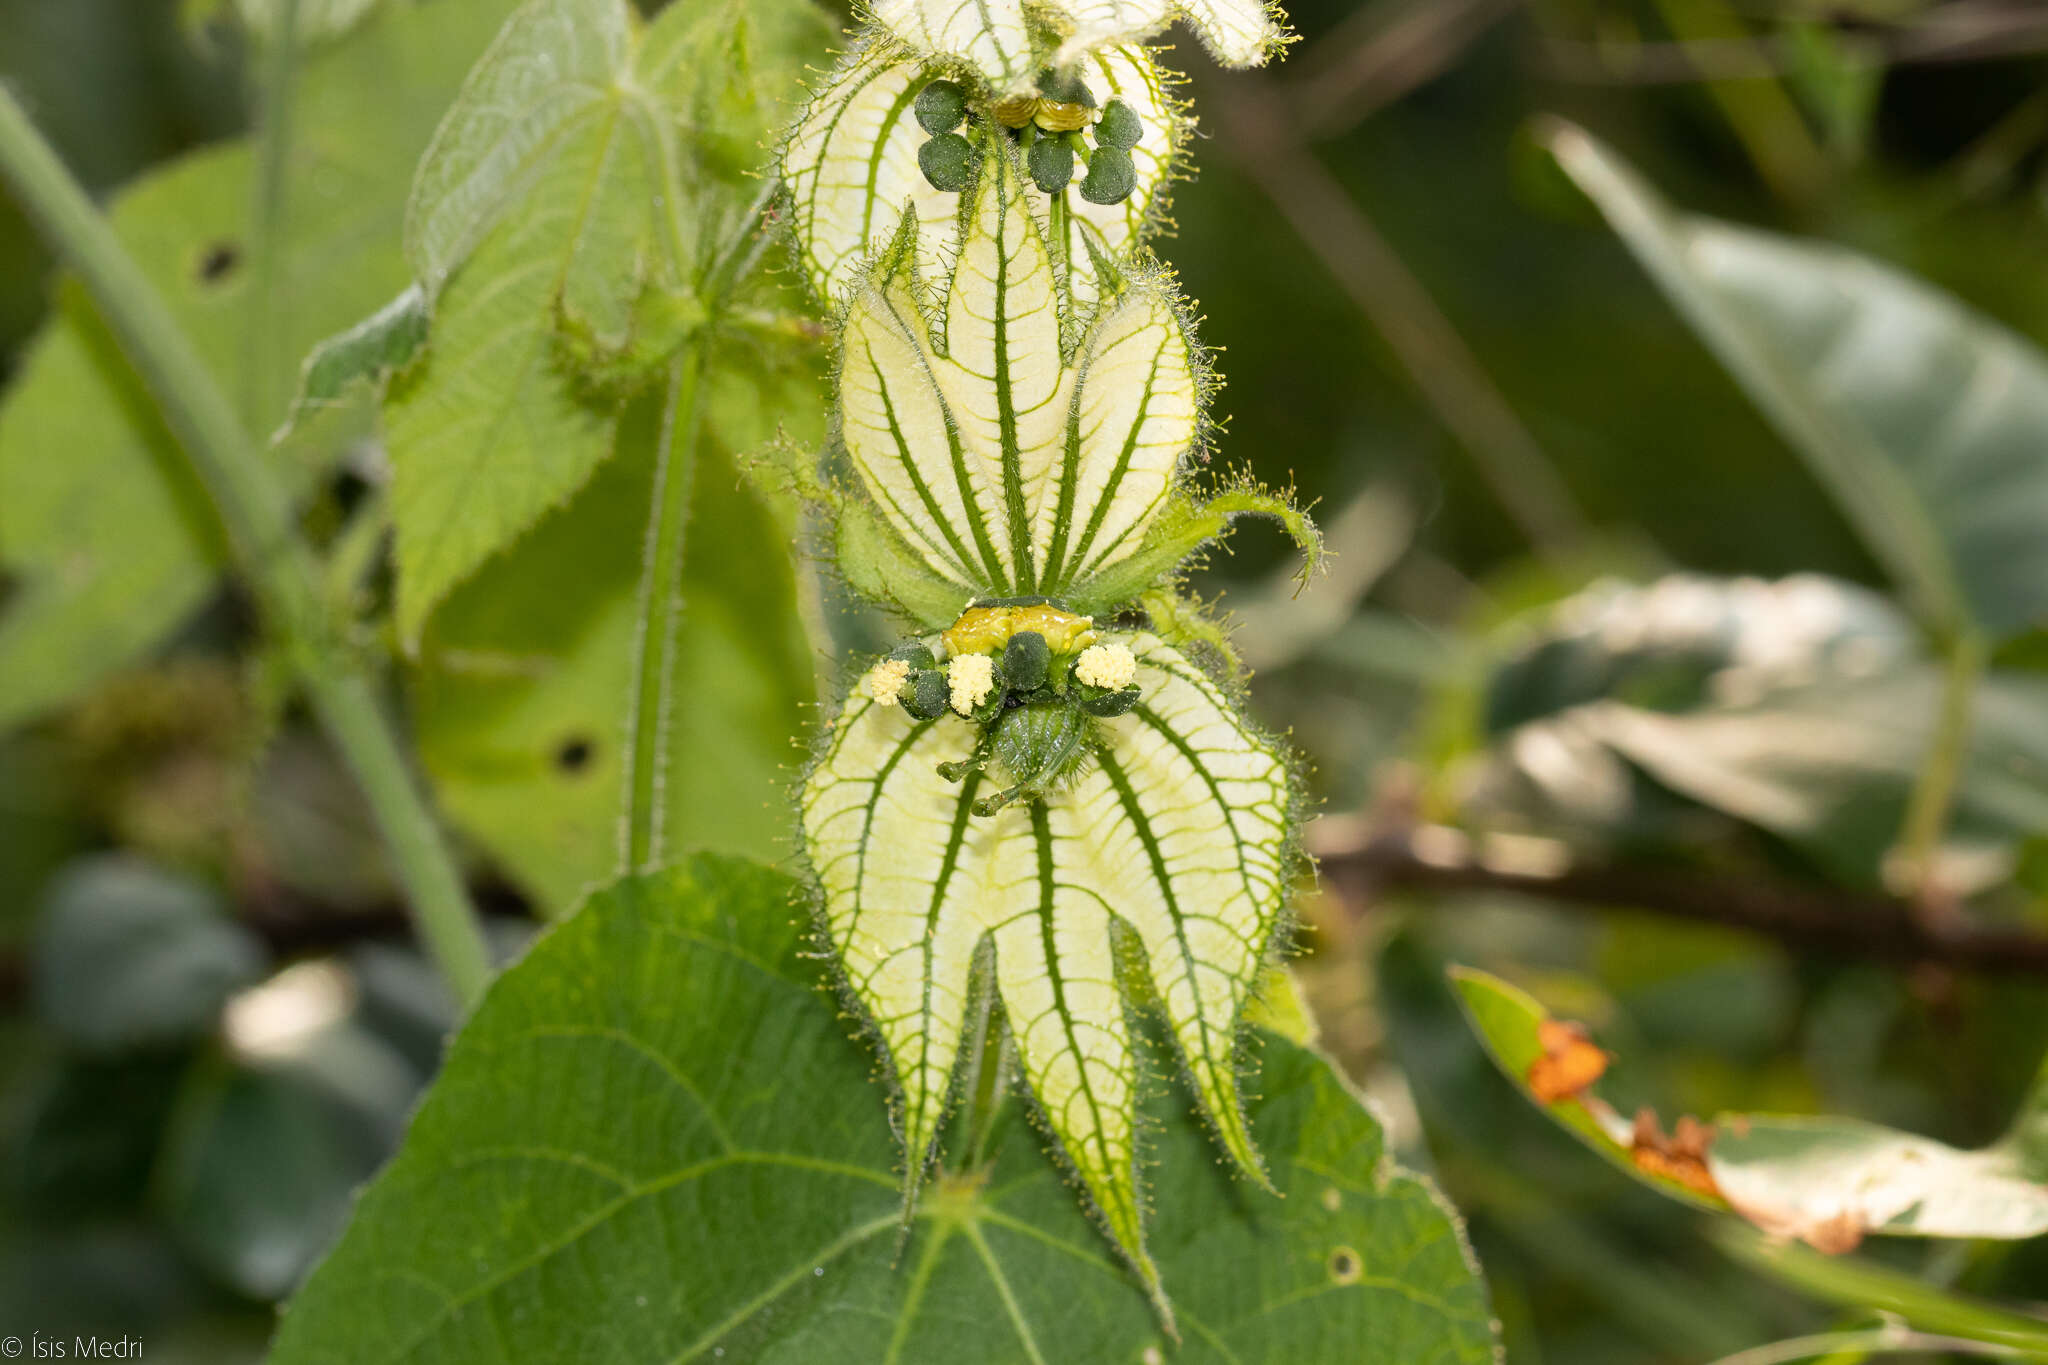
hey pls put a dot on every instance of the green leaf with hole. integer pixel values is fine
(584, 209)
(720, 1182)
(1829, 1181)
(519, 685)
(112, 540)
(1926, 421)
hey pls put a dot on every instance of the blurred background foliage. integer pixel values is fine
(1585, 600)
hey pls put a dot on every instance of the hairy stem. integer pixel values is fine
(259, 524)
(649, 707)
(1934, 793)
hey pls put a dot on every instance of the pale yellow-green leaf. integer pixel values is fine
(1136, 413)
(1002, 378)
(1236, 32)
(1178, 832)
(996, 37)
(992, 36)
(1008, 470)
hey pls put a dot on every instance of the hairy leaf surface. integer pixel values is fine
(1004, 468)
(996, 37)
(715, 1183)
(602, 184)
(1177, 834)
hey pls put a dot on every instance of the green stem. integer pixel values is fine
(260, 528)
(661, 611)
(266, 219)
(1854, 1283)
(1862, 1345)
(1934, 793)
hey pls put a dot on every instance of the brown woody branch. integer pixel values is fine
(1362, 867)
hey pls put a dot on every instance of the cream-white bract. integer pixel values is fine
(1004, 467)
(1176, 838)
(1007, 42)
(851, 167)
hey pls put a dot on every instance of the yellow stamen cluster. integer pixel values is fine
(887, 680)
(973, 679)
(1109, 666)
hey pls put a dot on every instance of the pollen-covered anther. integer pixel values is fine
(973, 679)
(1110, 666)
(887, 680)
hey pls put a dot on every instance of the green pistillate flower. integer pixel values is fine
(1120, 127)
(947, 162)
(941, 107)
(1111, 177)
(1088, 809)
(1051, 161)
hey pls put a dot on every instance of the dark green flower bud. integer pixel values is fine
(1107, 704)
(948, 162)
(1051, 162)
(940, 107)
(916, 654)
(1065, 87)
(1111, 177)
(1120, 127)
(925, 693)
(1025, 659)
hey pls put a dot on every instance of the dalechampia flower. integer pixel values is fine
(1058, 796)
(1007, 42)
(856, 160)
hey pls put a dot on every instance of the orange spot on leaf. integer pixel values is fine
(1570, 1062)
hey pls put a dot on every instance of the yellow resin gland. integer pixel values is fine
(983, 630)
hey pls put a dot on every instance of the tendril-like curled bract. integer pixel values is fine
(1040, 805)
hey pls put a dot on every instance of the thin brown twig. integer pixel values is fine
(1360, 867)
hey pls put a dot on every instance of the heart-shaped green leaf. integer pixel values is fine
(654, 1142)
